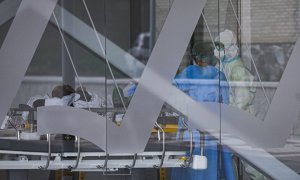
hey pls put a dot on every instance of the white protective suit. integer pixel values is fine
(242, 91)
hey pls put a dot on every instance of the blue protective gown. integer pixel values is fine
(204, 84)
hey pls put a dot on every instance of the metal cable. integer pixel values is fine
(103, 51)
(70, 57)
(78, 155)
(77, 76)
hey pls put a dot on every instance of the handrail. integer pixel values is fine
(187, 163)
(78, 155)
(49, 153)
(164, 150)
(133, 163)
(104, 166)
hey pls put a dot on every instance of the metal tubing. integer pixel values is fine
(164, 150)
(49, 153)
(187, 163)
(104, 166)
(202, 141)
(133, 163)
(78, 155)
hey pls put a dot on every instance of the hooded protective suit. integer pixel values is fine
(243, 92)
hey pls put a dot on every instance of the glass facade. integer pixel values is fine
(149, 89)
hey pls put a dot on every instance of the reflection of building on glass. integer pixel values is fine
(141, 49)
(243, 93)
(126, 95)
(271, 60)
(201, 81)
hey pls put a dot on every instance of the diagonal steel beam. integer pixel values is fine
(84, 34)
(166, 56)
(19, 47)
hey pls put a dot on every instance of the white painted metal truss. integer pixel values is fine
(181, 21)
(93, 163)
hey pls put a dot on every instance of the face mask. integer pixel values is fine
(232, 51)
(219, 54)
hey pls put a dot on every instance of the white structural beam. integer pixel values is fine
(84, 34)
(19, 47)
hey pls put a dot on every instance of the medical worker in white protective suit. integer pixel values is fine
(234, 69)
(231, 64)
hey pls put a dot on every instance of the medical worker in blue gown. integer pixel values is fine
(204, 83)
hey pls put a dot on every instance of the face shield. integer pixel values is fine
(222, 51)
(226, 45)
(232, 51)
(219, 51)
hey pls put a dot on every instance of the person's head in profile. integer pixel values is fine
(62, 90)
(202, 54)
(226, 46)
